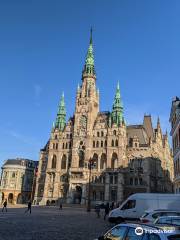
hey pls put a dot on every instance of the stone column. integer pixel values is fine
(83, 199)
(120, 189)
(106, 192)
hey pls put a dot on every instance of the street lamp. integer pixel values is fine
(90, 165)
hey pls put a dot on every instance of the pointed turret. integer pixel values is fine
(61, 115)
(89, 63)
(117, 111)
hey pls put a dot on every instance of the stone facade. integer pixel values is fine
(175, 133)
(106, 140)
(17, 180)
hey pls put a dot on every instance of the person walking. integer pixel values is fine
(29, 207)
(60, 206)
(4, 206)
(106, 210)
(97, 210)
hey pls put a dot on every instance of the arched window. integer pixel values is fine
(103, 161)
(56, 145)
(116, 143)
(114, 161)
(81, 159)
(102, 143)
(102, 134)
(97, 144)
(70, 145)
(105, 143)
(95, 161)
(63, 162)
(114, 132)
(54, 160)
(13, 175)
(63, 146)
(112, 144)
(94, 144)
(66, 145)
(97, 134)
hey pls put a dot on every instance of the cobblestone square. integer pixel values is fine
(49, 223)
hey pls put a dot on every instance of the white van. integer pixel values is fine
(137, 204)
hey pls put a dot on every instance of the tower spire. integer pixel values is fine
(117, 110)
(61, 115)
(89, 62)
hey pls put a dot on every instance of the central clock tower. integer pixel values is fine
(87, 106)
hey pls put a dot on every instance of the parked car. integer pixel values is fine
(170, 220)
(131, 231)
(138, 203)
(151, 216)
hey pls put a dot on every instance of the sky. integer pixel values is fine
(43, 45)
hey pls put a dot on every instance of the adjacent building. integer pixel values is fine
(17, 180)
(125, 158)
(175, 133)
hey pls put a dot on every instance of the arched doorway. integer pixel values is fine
(78, 194)
(10, 198)
(19, 199)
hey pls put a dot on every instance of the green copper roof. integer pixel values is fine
(61, 115)
(117, 110)
(89, 63)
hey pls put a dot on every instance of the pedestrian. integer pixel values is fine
(97, 210)
(4, 206)
(106, 210)
(29, 207)
(112, 206)
(60, 206)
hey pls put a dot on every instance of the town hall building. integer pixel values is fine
(96, 155)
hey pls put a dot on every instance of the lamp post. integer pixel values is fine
(90, 165)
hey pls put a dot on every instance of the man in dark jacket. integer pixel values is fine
(106, 210)
(4, 206)
(29, 207)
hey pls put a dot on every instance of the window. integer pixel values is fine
(97, 144)
(174, 237)
(94, 195)
(154, 237)
(101, 196)
(56, 145)
(131, 235)
(131, 181)
(63, 146)
(97, 134)
(112, 144)
(54, 162)
(13, 175)
(136, 181)
(114, 132)
(116, 233)
(63, 162)
(111, 179)
(94, 144)
(101, 143)
(140, 181)
(116, 143)
(130, 204)
(105, 143)
(102, 134)
(116, 179)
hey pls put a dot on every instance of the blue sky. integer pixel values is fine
(42, 52)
